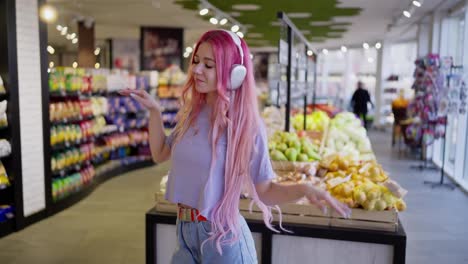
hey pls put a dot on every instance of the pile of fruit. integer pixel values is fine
(285, 146)
(347, 137)
(317, 121)
(359, 184)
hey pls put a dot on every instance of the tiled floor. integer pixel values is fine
(108, 226)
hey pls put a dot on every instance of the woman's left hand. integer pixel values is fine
(322, 198)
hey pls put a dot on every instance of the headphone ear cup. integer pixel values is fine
(238, 74)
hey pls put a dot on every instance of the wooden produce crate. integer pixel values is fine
(373, 220)
(291, 213)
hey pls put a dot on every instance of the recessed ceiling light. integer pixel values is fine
(235, 14)
(214, 21)
(407, 14)
(75, 64)
(240, 34)
(299, 15)
(50, 49)
(276, 23)
(59, 27)
(246, 7)
(310, 53)
(365, 45)
(188, 49)
(378, 45)
(320, 23)
(344, 49)
(75, 40)
(64, 30)
(48, 13)
(51, 64)
(97, 51)
(255, 35)
(223, 21)
(416, 3)
(186, 55)
(204, 11)
(97, 65)
(235, 28)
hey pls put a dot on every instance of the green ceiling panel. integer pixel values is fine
(321, 11)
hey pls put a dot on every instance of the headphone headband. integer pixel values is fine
(236, 39)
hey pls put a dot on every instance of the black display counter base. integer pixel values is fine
(66, 202)
(7, 227)
(396, 239)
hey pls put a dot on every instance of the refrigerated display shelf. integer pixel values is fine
(7, 227)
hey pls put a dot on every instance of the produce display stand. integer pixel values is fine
(325, 238)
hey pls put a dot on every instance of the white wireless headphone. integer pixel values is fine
(238, 71)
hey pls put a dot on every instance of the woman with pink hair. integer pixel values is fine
(219, 149)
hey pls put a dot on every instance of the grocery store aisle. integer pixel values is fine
(436, 221)
(106, 227)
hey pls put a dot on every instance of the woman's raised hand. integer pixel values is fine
(143, 98)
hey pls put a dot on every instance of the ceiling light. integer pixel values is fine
(69, 36)
(188, 49)
(235, 28)
(365, 45)
(97, 51)
(97, 65)
(344, 49)
(310, 53)
(73, 35)
(48, 13)
(299, 15)
(51, 64)
(240, 34)
(186, 55)
(407, 14)
(59, 27)
(370, 60)
(213, 21)
(255, 35)
(378, 45)
(64, 30)
(246, 7)
(50, 49)
(223, 21)
(417, 3)
(325, 51)
(75, 40)
(204, 11)
(75, 64)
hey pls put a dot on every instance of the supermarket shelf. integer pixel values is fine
(66, 145)
(142, 111)
(98, 179)
(71, 169)
(7, 227)
(64, 94)
(71, 121)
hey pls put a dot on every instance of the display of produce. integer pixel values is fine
(274, 118)
(360, 184)
(285, 146)
(316, 121)
(348, 137)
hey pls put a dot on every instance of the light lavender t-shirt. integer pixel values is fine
(188, 180)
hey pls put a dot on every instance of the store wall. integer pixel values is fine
(30, 106)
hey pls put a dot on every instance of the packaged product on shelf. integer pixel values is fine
(3, 116)
(99, 105)
(6, 212)
(4, 181)
(5, 148)
(2, 87)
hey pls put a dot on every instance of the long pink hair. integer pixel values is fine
(240, 119)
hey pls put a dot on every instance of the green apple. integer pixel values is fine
(302, 157)
(282, 147)
(291, 154)
(272, 145)
(295, 144)
(277, 155)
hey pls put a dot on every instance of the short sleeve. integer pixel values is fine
(170, 139)
(260, 166)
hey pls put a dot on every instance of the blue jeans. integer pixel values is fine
(190, 236)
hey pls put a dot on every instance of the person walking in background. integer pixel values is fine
(359, 102)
